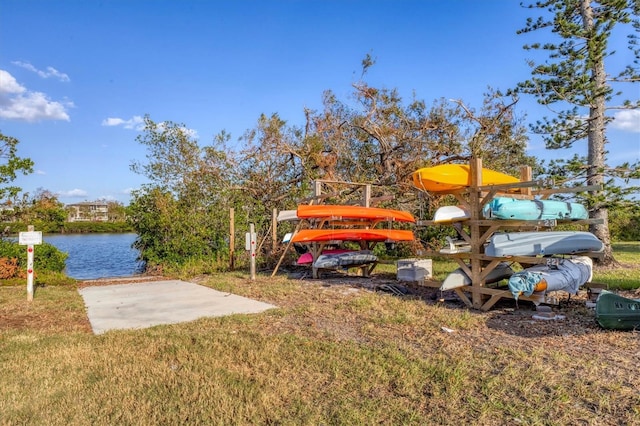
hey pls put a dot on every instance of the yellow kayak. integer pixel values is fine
(452, 177)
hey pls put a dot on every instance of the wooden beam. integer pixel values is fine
(461, 294)
(551, 191)
(494, 298)
(504, 187)
(286, 249)
(458, 227)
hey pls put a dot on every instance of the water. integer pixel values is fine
(94, 256)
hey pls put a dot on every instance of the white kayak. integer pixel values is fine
(449, 214)
(458, 278)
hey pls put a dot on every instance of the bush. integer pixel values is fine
(97, 227)
(47, 257)
(624, 224)
(69, 227)
(8, 268)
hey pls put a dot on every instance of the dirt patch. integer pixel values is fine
(123, 280)
(44, 322)
(50, 311)
(568, 328)
(571, 316)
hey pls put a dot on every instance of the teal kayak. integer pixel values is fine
(515, 209)
(617, 312)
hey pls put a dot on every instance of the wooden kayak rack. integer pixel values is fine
(475, 263)
(359, 194)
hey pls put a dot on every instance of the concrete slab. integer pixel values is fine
(145, 304)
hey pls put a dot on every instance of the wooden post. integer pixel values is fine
(317, 189)
(274, 230)
(475, 212)
(366, 201)
(29, 239)
(286, 249)
(232, 241)
(525, 176)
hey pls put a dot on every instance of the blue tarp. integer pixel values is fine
(524, 283)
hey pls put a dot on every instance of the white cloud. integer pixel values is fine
(628, 120)
(137, 123)
(9, 85)
(189, 132)
(18, 103)
(134, 123)
(40, 172)
(50, 72)
(74, 193)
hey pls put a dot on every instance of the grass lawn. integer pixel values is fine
(331, 353)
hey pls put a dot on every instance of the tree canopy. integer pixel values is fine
(379, 139)
(575, 81)
(10, 166)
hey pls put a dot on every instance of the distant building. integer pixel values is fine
(7, 212)
(88, 211)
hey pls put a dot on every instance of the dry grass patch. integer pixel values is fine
(55, 309)
(333, 352)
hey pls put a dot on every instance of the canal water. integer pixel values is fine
(94, 256)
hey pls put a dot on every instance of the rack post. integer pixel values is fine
(475, 212)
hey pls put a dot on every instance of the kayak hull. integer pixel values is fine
(339, 212)
(458, 278)
(450, 214)
(511, 208)
(345, 260)
(566, 275)
(542, 243)
(379, 235)
(453, 177)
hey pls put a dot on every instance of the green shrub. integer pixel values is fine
(69, 227)
(46, 256)
(624, 224)
(97, 227)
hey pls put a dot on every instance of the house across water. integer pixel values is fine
(88, 211)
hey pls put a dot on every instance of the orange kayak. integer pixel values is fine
(359, 234)
(452, 177)
(322, 211)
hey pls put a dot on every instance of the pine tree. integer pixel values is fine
(574, 78)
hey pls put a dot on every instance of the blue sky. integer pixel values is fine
(76, 77)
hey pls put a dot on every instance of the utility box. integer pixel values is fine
(415, 269)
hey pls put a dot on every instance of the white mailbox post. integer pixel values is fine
(250, 245)
(29, 239)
